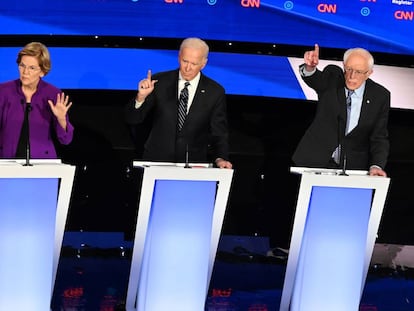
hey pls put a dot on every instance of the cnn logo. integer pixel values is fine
(250, 3)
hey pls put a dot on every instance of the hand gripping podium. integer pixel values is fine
(335, 227)
(34, 202)
(180, 217)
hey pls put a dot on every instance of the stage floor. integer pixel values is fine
(94, 267)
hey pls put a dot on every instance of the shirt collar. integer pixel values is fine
(193, 82)
(359, 92)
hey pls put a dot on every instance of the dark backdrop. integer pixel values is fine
(263, 135)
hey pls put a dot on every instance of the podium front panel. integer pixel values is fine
(179, 222)
(26, 231)
(178, 245)
(33, 209)
(336, 222)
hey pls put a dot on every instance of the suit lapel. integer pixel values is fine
(198, 96)
(171, 93)
(365, 105)
(342, 105)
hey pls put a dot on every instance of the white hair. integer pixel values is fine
(195, 43)
(362, 52)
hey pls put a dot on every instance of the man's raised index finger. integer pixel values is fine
(316, 49)
(149, 75)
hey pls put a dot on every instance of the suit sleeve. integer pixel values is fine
(379, 141)
(64, 136)
(219, 128)
(134, 115)
(330, 77)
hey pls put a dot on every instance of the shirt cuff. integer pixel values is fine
(375, 166)
(304, 72)
(138, 104)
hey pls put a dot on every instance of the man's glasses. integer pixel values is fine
(29, 69)
(357, 73)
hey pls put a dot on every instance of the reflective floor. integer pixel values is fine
(94, 267)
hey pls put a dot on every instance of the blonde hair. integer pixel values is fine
(40, 52)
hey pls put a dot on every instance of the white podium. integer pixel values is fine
(34, 202)
(180, 217)
(335, 227)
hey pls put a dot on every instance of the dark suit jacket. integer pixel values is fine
(367, 144)
(204, 133)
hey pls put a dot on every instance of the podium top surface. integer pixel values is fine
(170, 164)
(326, 171)
(335, 178)
(37, 168)
(7, 162)
(179, 171)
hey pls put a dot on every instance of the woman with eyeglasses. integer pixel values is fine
(33, 112)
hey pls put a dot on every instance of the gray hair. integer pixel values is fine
(195, 43)
(362, 52)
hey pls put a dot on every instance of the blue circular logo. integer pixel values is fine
(288, 5)
(211, 2)
(365, 11)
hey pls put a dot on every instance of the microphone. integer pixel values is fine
(187, 165)
(341, 144)
(27, 110)
(343, 171)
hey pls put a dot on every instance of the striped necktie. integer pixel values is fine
(182, 106)
(348, 110)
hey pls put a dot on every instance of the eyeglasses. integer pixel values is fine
(357, 73)
(30, 69)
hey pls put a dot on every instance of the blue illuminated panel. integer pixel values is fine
(330, 269)
(88, 68)
(383, 26)
(27, 235)
(177, 248)
(379, 26)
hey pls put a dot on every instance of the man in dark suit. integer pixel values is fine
(203, 137)
(334, 139)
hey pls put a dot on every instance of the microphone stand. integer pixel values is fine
(342, 153)
(187, 164)
(26, 116)
(343, 171)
